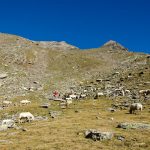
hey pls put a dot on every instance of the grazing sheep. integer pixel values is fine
(25, 117)
(25, 102)
(135, 106)
(6, 103)
(73, 96)
(100, 94)
(82, 95)
(144, 92)
(68, 98)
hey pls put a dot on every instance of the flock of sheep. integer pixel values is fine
(28, 117)
(23, 117)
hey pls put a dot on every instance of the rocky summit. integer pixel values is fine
(52, 92)
(114, 45)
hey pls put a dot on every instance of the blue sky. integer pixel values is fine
(83, 23)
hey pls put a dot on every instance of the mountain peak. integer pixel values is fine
(113, 45)
(110, 42)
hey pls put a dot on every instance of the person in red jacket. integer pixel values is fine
(55, 94)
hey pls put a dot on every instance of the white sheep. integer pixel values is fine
(144, 92)
(135, 106)
(82, 95)
(100, 94)
(27, 116)
(7, 103)
(85, 91)
(25, 102)
(68, 98)
(73, 96)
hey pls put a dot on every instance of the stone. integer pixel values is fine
(98, 118)
(111, 109)
(63, 107)
(98, 135)
(77, 111)
(3, 75)
(38, 118)
(121, 138)
(55, 114)
(24, 129)
(133, 126)
(46, 105)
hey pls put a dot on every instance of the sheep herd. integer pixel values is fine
(28, 117)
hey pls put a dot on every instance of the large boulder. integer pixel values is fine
(6, 124)
(98, 135)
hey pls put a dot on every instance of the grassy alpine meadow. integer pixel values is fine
(66, 132)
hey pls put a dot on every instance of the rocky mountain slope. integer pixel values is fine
(42, 67)
(104, 80)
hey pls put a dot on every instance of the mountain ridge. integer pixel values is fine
(59, 68)
(60, 44)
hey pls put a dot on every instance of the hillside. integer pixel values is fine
(53, 66)
(34, 69)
